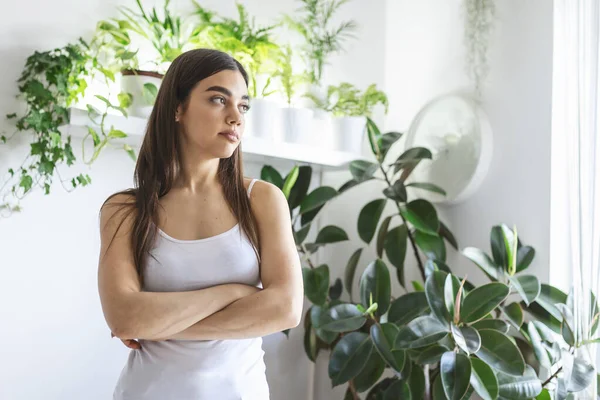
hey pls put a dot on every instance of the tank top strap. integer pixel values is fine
(252, 182)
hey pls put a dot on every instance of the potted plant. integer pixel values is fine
(350, 109)
(313, 21)
(296, 121)
(445, 338)
(141, 73)
(254, 48)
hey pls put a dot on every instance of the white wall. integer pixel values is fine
(54, 343)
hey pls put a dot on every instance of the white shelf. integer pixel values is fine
(254, 148)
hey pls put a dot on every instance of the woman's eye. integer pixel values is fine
(245, 108)
(218, 99)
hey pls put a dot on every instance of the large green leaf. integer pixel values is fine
(395, 249)
(342, 318)
(538, 348)
(270, 174)
(455, 370)
(525, 255)
(317, 198)
(446, 234)
(467, 338)
(310, 343)
(316, 313)
(370, 374)
(316, 283)
(438, 389)
(407, 307)
(523, 387)
(549, 297)
(396, 192)
(451, 288)
(301, 234)
(482, 300)
(348, 357)
(483, 380)
(335, 290)
(299, 190)
(498, 247)
(331, 234)
(368, 219)
(362, 170)
(582, 375)
(498, 351)
(495, 324)
(375, 282)
(290, 181)
(383, 229)
(422, 215)
(420, 332)
(386, 141)
(434, 289)
(351, 270)
(514, 312)
(567, 324)
(374, 135)
(544, 395)
(543, 316)
(483, 261)
(383, 337)
(398, 390)
(409, 160)
(432, 245)
(427, 186)
(528, 287)
(431, 355)
(416, 383)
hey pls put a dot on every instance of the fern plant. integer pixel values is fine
(346, 100)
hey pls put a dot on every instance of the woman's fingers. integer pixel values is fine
(132, 344)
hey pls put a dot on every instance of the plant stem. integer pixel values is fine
(552, 377)
(305, 253)
(410, 237)
(353, 390)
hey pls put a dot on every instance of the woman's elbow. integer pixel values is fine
(293, 312)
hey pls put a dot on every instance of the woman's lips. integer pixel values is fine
(232, 136)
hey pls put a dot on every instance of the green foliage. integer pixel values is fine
(288, 78)
(468, 339)
(313, 21)
(347, 100)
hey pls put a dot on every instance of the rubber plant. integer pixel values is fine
(444, 338)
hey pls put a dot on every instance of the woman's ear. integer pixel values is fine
(178, 113)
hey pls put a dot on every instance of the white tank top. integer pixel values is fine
(197, 369)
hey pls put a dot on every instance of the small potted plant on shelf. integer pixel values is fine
(350, 108)
(141, 73)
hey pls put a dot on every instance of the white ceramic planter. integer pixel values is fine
(348, 133)
(323, 135)
(297, 125)
(264, 119)
(133, 83)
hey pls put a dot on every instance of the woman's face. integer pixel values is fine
(213, 121)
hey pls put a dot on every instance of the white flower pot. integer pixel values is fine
(323, 130)
(297, 125)
(133, 82)
(348, 134)
(263, 119)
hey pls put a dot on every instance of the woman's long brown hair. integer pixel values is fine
(158, 162)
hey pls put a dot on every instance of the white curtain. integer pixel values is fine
(575, 237)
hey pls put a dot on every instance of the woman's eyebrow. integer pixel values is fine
(225, 91)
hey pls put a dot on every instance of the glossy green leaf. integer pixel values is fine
(375, 282)
(495, 324)
(398, 390)
(362, 170)
(370, 374)
(431, 355)
(582, 375)
(316, 283)
(386, 141)
(451, 288)
(482, 300)
(519, 387)
(270, 174)
(455, 370)
(396, 192)
(538, 348)
(317, 198)
(483, 380)
(525, 255)
(342, 318)
(300, 189)
(349, 185)
(407, 307)
(348, 357)
(383, 229)
(351, 270)
(316, 313)
(331, 234)
(432, 245)
(290, 181)
(368, 219)
(416, 383)
(310, 344)
(438, 389)
(335, 291)
(432, 265)
(383, 338)
(434, 289)
(409, 160)
(301, 234)
(567, 324)
(395, 249)
(427, 186)
(498, 351)
(498, 247)
(483, 261)
(446, 234)
(544, 395)
(420, 332)
(528, 287)
(467, 338)
(514, 312)
(374, 135)
(422, 215)
(377, 391)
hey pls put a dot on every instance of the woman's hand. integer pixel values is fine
(132, 344)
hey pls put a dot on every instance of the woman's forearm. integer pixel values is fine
(260, 314)
(150, 315)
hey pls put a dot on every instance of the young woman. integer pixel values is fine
(197, 262)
